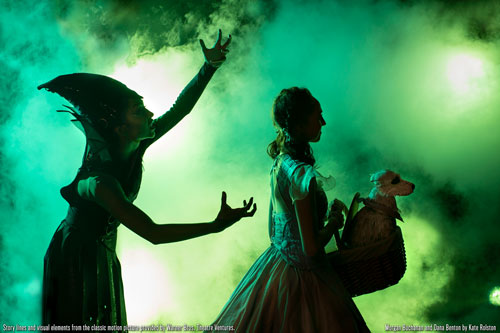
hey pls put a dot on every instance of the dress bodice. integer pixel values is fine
(290, 181)
(87, 217)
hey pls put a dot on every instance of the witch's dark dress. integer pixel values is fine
(82, 281)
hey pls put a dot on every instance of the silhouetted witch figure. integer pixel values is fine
(82, 281)
(292, 287)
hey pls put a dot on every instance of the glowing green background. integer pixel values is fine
(406, 85)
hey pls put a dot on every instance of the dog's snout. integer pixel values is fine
(412, 186)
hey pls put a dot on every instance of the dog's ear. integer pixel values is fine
(374, 177)
(377, 176)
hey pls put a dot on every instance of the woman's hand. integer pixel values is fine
(335, 217)
(228, 216)
(217, 54)
(335, 222)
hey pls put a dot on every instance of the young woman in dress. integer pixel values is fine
(82, 281)
(292, 287)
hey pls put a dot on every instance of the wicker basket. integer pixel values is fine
(372, 267)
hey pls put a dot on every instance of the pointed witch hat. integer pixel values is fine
(94, 95)
(96, 98)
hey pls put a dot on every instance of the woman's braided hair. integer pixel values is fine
(291, 107)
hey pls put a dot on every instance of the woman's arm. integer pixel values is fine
(335, 221)
(184, 103)
(326, 233)
(214, 57)
(305, 210)
(107, 192)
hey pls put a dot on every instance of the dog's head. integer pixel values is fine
(390, 183)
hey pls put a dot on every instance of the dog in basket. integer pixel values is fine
(377, 219)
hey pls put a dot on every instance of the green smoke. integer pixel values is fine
(408, 86)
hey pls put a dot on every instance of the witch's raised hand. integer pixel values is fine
(228, 216)
(217, 54)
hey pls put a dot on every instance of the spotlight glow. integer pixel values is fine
(464, 72)
(146, 285)
(495, 296)
(160, 85)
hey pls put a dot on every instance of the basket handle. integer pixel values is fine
(353, 209)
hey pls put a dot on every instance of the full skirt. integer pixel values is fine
(275, 296)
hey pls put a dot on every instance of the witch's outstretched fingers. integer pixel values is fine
(223, 199)
(219, 37)
(228, 41)
(203, 46)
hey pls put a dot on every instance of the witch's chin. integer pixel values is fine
(150, 135)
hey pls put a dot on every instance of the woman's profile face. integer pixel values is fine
(137, 122)
(311, 128)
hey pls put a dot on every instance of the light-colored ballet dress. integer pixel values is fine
(285, 290)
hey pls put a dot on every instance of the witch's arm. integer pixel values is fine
(214, 57)
(185, 102)
(107, 192)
